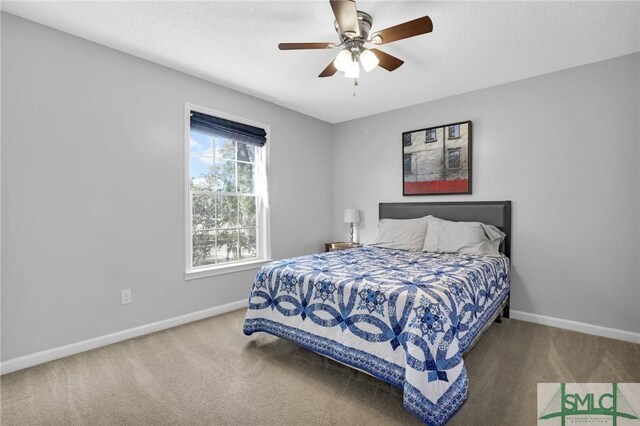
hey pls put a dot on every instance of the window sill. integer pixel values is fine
(225, 269)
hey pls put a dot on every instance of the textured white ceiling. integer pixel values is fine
(234, 43)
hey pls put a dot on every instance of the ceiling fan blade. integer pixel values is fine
(346, 16)
(388, 62)
(329, 70)
(408, 29)
(299, 46)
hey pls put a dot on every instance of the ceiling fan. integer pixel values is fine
(353, 28)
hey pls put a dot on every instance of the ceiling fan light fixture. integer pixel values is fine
(369, 60)
(353, 70)
(343, 60)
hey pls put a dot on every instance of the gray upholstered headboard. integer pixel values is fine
(496, 213)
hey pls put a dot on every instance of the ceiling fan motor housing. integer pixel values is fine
(364, 23)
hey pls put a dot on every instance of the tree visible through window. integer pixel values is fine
(224, 200)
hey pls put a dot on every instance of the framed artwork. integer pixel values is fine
(437, 160)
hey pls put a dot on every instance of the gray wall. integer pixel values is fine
(92, 188)
(564, 147)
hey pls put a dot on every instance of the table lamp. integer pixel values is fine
(351, 216)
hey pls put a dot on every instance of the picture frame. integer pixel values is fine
(437, 160)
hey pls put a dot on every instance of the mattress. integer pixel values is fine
(404, 317)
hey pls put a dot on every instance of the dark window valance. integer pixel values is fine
(227, 128)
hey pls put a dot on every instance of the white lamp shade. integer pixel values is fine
(353, 70)
(369, 60)
(351, 215)
(343, 60)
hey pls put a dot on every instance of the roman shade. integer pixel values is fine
(229, 129)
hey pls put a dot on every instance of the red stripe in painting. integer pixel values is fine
(437, 186)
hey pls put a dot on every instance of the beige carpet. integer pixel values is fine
(208, 372)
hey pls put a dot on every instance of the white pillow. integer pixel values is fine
(472, 238)
(433, 229)
(406, 234)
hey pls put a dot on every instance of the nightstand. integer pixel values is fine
(340, 246)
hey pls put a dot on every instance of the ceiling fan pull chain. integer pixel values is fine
(355, 86)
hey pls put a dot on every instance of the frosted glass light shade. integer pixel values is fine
(369, 60)
(353, 70)
(351, 215)
(343, 60)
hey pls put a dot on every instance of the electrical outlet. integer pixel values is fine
(126, 296)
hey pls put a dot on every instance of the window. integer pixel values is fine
(406, 139)
(454, 131)
(226, 196)
(453, 158)
(407, 164)
(431, 135)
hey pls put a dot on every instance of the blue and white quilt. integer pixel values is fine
(404, 317)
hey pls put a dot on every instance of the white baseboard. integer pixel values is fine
(582, 327)
(30, 360)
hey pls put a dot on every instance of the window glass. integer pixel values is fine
(225, 207)
(454, 131)
(407, 163)
(453, 158)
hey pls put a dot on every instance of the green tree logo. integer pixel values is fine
(563, 405)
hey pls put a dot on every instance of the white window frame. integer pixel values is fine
(263, 222)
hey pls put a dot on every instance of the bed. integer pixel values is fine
(405, 317)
